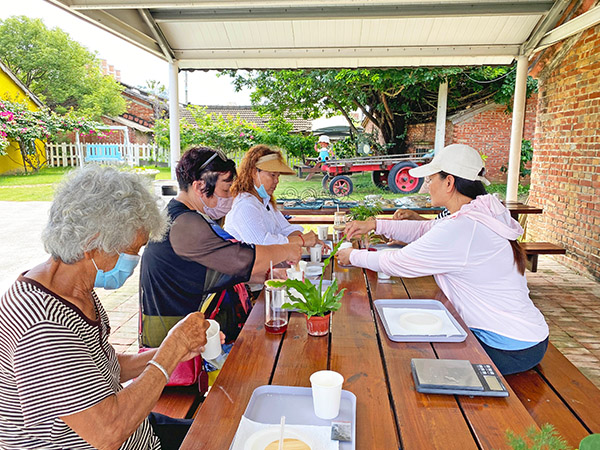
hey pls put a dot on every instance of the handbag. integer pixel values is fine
(187, 373)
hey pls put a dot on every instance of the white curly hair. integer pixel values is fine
(100, 208)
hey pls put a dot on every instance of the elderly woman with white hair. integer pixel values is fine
(472, 254)
(61, 379)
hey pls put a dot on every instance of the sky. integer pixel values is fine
(136, 65)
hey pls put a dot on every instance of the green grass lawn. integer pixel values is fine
(40, 186)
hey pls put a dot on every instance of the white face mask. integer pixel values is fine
(222, 208)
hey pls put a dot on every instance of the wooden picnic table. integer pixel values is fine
(390, 413)
(517, 208)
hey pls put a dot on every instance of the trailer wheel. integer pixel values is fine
(401, 182)
(380, 178)
(325, 182)
(341, 186)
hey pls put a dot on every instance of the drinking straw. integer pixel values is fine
(271, 270)
(281, 433)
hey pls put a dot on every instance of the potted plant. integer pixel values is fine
(364, 212)
(315, 304)
(146, 172)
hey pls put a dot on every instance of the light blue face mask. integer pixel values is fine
(114, 278)
(262, 192)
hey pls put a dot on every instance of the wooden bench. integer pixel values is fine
(179, 402)
(556, 392)
(534, 249)
(103, 153)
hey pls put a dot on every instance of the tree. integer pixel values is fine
(391, 98)
(59, 70)
(233, 134)
(29, 128)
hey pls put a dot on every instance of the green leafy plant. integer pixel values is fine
(30, 128)
(526, 156)
(315, 302)
(547, 438)
(364, 212)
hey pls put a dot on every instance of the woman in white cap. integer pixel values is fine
(254, 217)
(322, 148)
(472, 254)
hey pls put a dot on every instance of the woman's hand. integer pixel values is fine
(188, 337)
(358, 228)
(280, 273)
(310, 239)
(294, 253)
(343, 256)
(407, 214)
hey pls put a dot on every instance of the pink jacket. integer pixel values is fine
(471, 259)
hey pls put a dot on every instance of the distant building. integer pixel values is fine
(246, 113)
(11, 89)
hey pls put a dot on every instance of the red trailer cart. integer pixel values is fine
(387, 171)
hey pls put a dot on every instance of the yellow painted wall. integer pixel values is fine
(12, 162)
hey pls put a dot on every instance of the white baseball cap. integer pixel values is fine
(324, 138)
(456, 159)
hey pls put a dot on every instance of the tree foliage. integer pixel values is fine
(59, 70)
(391, 98)
(233, 133)
(29, 128)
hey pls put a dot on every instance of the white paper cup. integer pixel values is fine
(327, 393)
(212, 349)
(316, 253)
(323, 232)
(345, 245)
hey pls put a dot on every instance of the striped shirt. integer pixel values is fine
(54, 361)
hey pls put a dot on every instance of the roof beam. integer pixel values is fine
(368, 11)
(544, 26)
(344, 52)
(580, 23)
(158, 34)
(111, 24)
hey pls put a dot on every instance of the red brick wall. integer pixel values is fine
(139, 108)
(566, 162)
(487, 131)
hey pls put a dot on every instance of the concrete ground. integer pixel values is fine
(569, 301)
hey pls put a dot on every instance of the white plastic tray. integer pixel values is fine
(420, 304)
(269, 403)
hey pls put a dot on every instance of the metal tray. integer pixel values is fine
(306, 205)
(269, 403)
(421, 304)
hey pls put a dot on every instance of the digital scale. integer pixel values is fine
(455, 376)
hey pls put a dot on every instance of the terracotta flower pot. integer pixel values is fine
(317, 325)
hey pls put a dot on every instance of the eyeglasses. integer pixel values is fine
(428, 179)
(216, 153)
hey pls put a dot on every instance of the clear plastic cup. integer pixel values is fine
(276, 318)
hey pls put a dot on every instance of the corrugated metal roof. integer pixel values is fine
(249, 34)
(246, 113)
